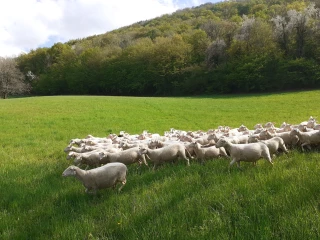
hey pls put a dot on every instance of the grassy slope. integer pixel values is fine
(175, 202)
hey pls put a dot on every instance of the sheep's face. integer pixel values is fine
(70, 171)
(294, 132)
(253, 139)
(67, 149)
(221, 143)
(153, 144)
(70, 155)
(143, 150)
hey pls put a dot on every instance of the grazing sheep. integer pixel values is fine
(250, 152)
(307, 138)
(208, 152)
(127, 157)
(273, 144)
(165, 154)
(102, 177)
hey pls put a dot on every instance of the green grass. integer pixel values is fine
(174, 202)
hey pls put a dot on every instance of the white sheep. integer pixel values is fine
(250, 152)
(274, 144)
(98, 178)
(207, 152)
(127, 157)
(241, 139)
(165, 154)
(74, 149)
(289, 139)
(316, 127)
(307, 138)
(90, 159)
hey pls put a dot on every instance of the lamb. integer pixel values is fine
(127, 157)
(250, 152)
(307, 138)
(273, 144)
(165, 154)
(105, 176)
(208, 152)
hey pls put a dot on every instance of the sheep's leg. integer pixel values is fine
(188, 153)
(268, 158)
(283, 148)
(88, 190)
(238, 164)
(154, 166)
(232, 162)
(188, 163)
(183, 155)
(304, 144)
(202, 161)
(143, 160)
(123, 183)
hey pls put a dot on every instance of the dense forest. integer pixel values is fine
(227, 47)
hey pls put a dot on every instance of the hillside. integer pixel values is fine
(227, 47)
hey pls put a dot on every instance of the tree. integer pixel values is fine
(300, 22)
(11, 79)
(216, 53)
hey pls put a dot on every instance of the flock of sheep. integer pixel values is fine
(109, 156)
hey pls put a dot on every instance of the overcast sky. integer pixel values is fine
(30, 24)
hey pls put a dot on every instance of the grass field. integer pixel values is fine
(174, 202)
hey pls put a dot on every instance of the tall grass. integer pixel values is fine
(174, 202)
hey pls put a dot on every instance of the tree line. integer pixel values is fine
(227, 47)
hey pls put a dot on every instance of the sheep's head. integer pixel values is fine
(71, 155)
(221, 143)
(253, 139)
(143, 150)
(70, 171)
(67, 149)
(294, 131)
(102, 155)
(242, 128)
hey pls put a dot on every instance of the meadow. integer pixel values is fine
(173, 202)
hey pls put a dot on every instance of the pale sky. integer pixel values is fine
(30, 24)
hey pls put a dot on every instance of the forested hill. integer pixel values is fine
(227, 47)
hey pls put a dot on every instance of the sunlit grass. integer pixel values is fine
(174, 202)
